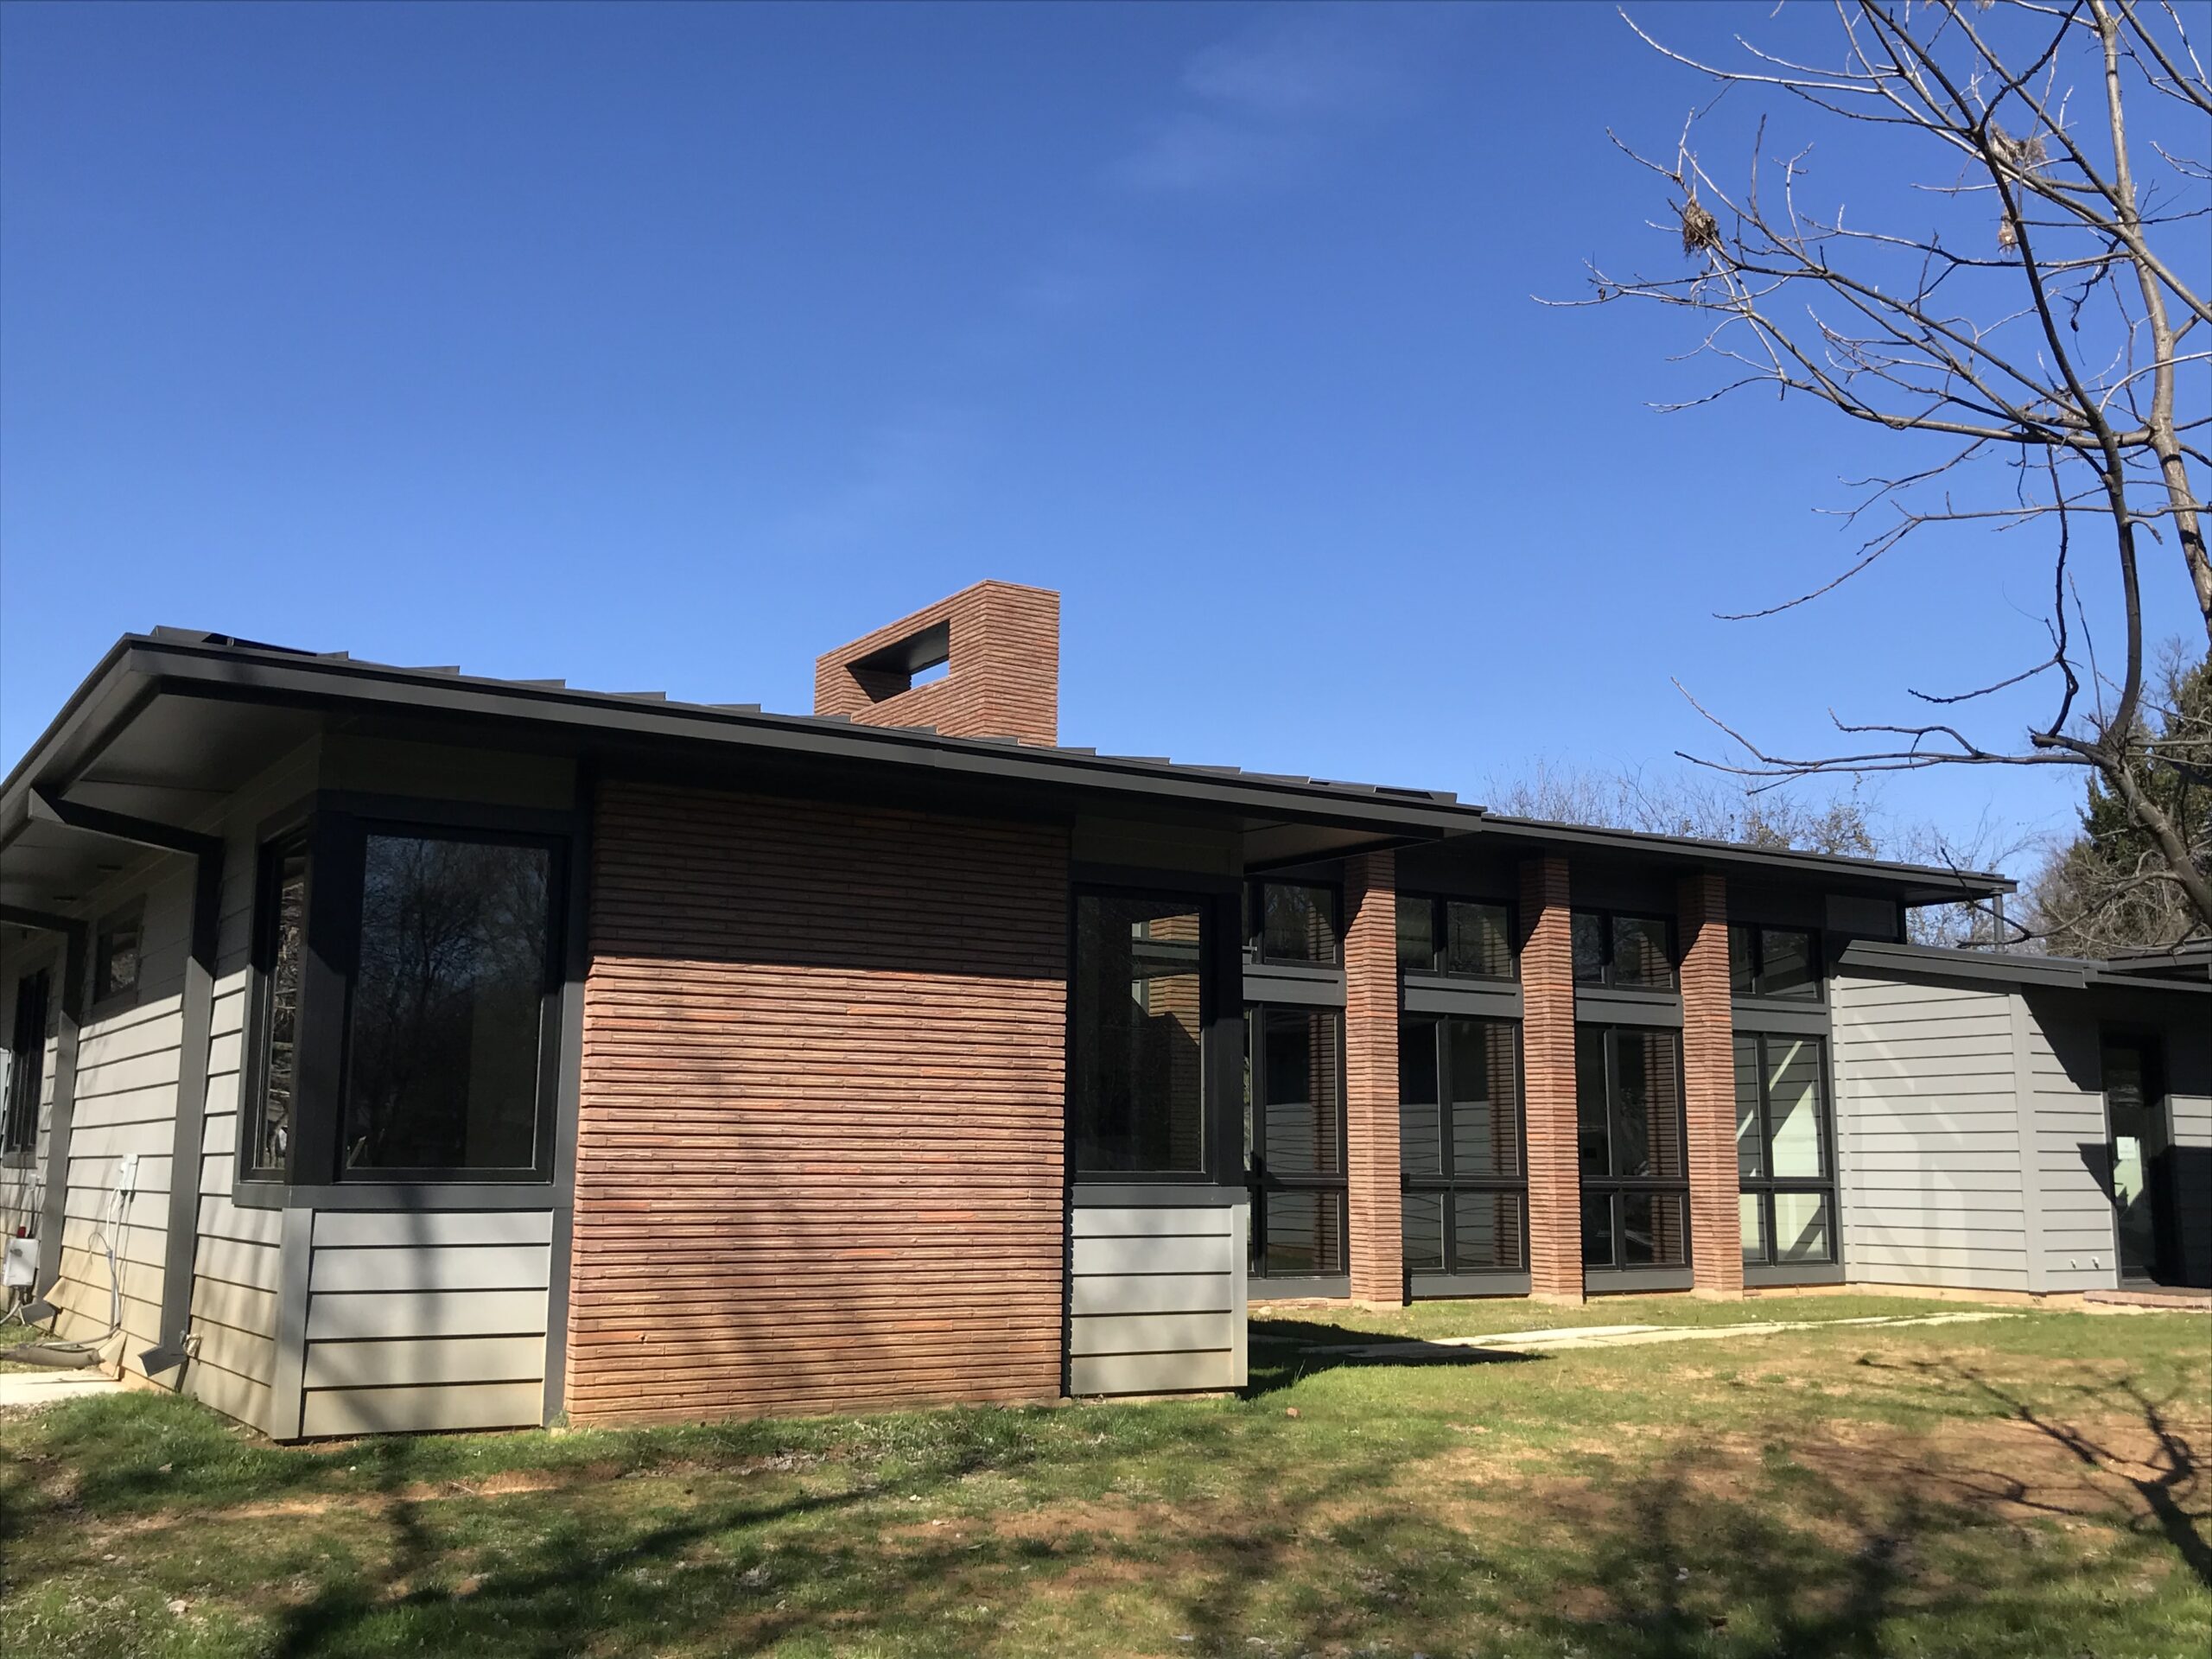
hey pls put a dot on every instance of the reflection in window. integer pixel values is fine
(1417, 935)
(1136, 1097)
(1772, 962)
(1630, 1144)
(1784, 1164)
(443, 1051)
(1630, 952)
(1293, 1143)
(115, 954)
(1298, 924)
(281, 959)
(1465, 1184)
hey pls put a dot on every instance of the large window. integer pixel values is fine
(1785, 1165)
(1136, 1095)
(1773, 962)
(1629, 1143)
(406, 1005)
(26, 1064)
(1627, 952)
(1467, 938)
(445, 1045)
(1465, 1179)
(1292, 922)
(1295, 1141)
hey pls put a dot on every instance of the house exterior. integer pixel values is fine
(396, 1049)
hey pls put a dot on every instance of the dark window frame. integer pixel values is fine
(1609, 945)
(1439, 937)
(1766, 1184)
(1754, 933)
(131, 913)
(333, 830)
(1255, 922)
(1261, 1179)
(1221, 1005)
(1447, 1185)
(1618, 1188)
(27, 1063)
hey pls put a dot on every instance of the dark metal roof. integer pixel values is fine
(2011, 967)
(191, 665)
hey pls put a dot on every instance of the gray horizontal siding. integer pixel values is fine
(1929, 1129)
(1156, 1296)
(419, 1320)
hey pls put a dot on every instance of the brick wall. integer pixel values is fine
(1547, 1081)
(1709, 1085)
(820, 1146)
(1004, 668)
(1372, 1078)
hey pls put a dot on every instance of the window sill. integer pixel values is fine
(1600, 1281)
(1286, 1288)
(1423, 1285)
(409, 1195)
(1794, 1273)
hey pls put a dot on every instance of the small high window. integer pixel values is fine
(1773, 962)
(26, 1064)
(1625, 952)
(116, 952)
(1468, 938)
(1293, 922)
(1136, 1085)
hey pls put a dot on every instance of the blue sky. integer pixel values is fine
(665, 347)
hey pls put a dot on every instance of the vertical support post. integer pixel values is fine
(1375, 1232)
(1548, 1083)
(1709, 1087)
(63, 1112)
(195, 1021)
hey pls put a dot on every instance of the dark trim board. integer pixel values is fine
(61, 1119)
(1810, 1273)
(1443, 1285)
(196, 1020)
(1621, 1282)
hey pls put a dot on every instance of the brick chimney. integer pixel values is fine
(1000, 645)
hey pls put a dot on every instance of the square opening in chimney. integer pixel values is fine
(918, 659)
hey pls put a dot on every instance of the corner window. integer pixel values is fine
(1137, 1084)
(1773, 962)
(406, 991)
(279, 959)
(1785, 1166)
(26, 1064)
(1462, 1171)
(1634, 953)
(1295, 1141)
(1630, 1143)
(1467, 939)
(445, 1045)
(116, 948)
(1296, 923)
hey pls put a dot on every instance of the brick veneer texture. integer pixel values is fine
(1004, 669)
(1371, 1079)
(1547, 1081)
(1709, 1085)
(819, 1137)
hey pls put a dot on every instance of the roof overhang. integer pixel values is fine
(1884, 960)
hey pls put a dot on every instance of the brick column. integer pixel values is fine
(1709, 1086)
(1377, 1242)
(1548, 1083)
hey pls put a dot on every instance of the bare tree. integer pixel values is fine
(2038, 337)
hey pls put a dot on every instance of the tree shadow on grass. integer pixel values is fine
(1283, 1353)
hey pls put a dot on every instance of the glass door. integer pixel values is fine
(2136, 1111)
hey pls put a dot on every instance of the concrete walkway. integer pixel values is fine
(29, 1388)
(1571, 1337)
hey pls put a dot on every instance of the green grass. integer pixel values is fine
(2018, 1487)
